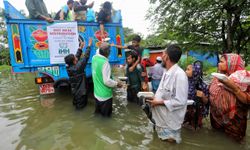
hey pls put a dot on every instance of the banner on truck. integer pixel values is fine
(63, 40)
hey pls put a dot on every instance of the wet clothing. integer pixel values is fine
(134, 83)
(103, 84)
(229, 119)
(77, 79)
(227, 113)
(80, 102)
(198, 110)
(79, 11)
(155, 84)
(104, 17)
(156, 73)
(101, 72)
(104, 107)
(36, 8)
(66, 13)
(173, 90)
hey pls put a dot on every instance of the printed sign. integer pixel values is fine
(63, 40)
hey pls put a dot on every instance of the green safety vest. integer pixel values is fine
(100, 89)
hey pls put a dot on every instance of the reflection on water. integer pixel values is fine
(28, 121)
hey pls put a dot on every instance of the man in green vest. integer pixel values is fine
(103, 84)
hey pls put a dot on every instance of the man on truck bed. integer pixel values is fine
(76, 73)
(80, 9)
(65, 13)
(37, 10)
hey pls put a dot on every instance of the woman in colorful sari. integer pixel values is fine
(197, 91)
(228, 104)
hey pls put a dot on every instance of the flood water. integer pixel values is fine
(28, 121)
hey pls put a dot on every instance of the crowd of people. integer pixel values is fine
(77, 10)
(225, 101)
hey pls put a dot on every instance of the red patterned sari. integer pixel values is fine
(226, 112)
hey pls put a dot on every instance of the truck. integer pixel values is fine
(29, 48)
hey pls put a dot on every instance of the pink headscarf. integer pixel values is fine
(223, 102)
(234, 63)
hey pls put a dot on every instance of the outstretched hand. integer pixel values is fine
(90, 41)
(81, 45)
(50, 20)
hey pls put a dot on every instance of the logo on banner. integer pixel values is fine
(63, 49)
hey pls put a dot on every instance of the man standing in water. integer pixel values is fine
(103, 84)
(170, 102)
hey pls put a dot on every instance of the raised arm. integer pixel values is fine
(118, 46)
(83, 61)
(62, 15)
(142, 79)
(132, 68)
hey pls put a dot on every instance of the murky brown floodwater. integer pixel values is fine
(28, 121)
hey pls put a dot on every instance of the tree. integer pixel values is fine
(129, 34)
(4, 51)
(221, 23)
(155, 41)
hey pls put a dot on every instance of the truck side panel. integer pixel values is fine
(28, 42)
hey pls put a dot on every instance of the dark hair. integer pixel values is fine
(69, 59)
(133, 54)
(107, 5)
(137, 38)
(83, 2)
(158, 61)
(174, 52)
(70, 2)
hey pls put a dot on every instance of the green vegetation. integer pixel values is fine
(4, 67)
(4, 50)
(207, 67)
(248, 67)
(129, 34)
(222, 26)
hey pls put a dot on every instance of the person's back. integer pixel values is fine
(76, 72)
(156, 73)
(100, 89)
(80, 10)
(103, 84)
(36, 8)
